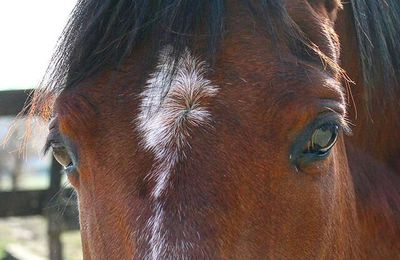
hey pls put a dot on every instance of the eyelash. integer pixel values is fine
(47, 146)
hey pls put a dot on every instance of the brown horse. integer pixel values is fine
(220, 129)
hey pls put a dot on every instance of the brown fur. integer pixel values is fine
(237, 196)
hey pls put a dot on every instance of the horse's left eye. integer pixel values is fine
(322, 140)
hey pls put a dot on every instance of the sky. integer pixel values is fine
(29, 30)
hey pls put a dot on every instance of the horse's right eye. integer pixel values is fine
(64, 151)
(60, 153)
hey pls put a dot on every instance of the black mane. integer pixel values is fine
(102, 34)
(378, 31)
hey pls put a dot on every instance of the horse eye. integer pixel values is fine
(322, 139)
(60, 153)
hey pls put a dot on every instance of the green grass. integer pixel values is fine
(72, 245)
(4, 239)
(29, 183)
(31, 234)
(3, 244)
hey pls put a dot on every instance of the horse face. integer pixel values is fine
(244, 160)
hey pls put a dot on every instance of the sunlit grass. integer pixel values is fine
(31, 234)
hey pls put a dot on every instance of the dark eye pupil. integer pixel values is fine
(323, 139)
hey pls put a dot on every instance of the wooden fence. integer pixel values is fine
(39, 202)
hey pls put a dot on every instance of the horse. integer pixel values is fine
(229, 129)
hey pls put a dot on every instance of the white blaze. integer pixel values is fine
(167, 116)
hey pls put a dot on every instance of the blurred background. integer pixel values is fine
(38, 212)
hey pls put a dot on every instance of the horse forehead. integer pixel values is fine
(244, 56)
(242, 67)
(258, 77)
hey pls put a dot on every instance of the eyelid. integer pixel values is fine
(52, 138)
(337, 118)
(338, 110)
(333, 105)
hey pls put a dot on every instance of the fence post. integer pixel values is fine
(53, 214)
